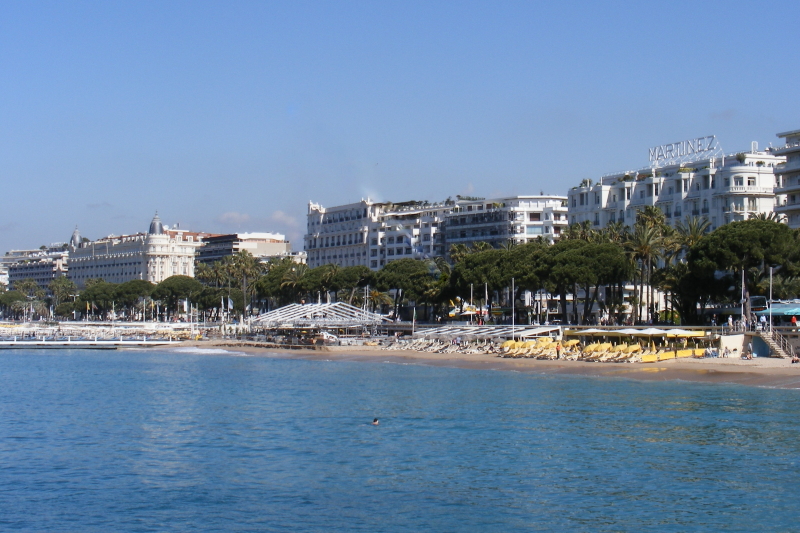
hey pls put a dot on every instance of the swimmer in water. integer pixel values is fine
(375, 422)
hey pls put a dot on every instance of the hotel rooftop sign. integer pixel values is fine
(684, 150)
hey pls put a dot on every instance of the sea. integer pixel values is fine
(215, 440)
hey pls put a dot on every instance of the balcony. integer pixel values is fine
(789, 147)
(695, 212)
(704, 210)
(745, 189)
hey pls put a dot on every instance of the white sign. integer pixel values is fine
(683, 148)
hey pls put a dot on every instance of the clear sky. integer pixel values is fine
(232, 116)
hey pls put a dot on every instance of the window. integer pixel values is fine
(391, 240)
(373, 253)
(751, 181)
(641, 194)
(534, 230)
(408, 251)
(627, 193)
(738, 181)
(534, 217)
(426, 238)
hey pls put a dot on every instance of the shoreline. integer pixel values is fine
(760, 372)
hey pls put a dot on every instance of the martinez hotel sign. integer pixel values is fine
(683, 149)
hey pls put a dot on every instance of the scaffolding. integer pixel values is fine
(313, 316)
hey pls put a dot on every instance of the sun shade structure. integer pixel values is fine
(335, 315)
(485, 332)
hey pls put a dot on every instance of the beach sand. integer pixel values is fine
(759, 372)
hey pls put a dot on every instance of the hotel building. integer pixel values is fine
(259, 245)
(153, 256)
(42, 269)
(515, 219)
(371, 233)
(683, 182)
(788, 177)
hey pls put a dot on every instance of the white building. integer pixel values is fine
(691, 178)
(497, 221)
(371, 234)
(153, 256)
(42, 269)
(789, 178)
(259, 245)
(43, 264)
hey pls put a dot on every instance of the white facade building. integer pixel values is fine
(153, 256)
(789, 178)
(42, 269)
(259, 245)
(371, 234)
(374, 234)
(515, 219)
(719, 188)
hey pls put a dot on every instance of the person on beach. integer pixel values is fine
(558, 351)
(375, 422)
(794, 321)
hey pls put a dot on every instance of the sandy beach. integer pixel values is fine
(759, 372)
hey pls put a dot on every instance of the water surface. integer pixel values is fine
(177, 441)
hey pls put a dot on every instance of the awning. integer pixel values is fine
(781, 310)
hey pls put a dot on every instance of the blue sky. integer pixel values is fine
(231, 116)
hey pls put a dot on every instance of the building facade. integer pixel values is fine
(261, 245)
(720, 188)
(497, 221)
(153, 256)
(788, 178)
(42, 269)
(371, 233)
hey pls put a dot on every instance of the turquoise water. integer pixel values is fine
(171, 441)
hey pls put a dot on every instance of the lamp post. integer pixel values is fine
(512, 308)
(769, 304)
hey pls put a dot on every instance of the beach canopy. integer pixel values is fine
(648, 332)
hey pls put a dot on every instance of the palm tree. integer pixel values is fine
(691, 231)
(480, 246)
(644, 246)
(245, 269)
(377, 298)
(293, 278)
(772, 217)
(458, 252)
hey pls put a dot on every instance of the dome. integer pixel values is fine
(156, 227)
(75, 240)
